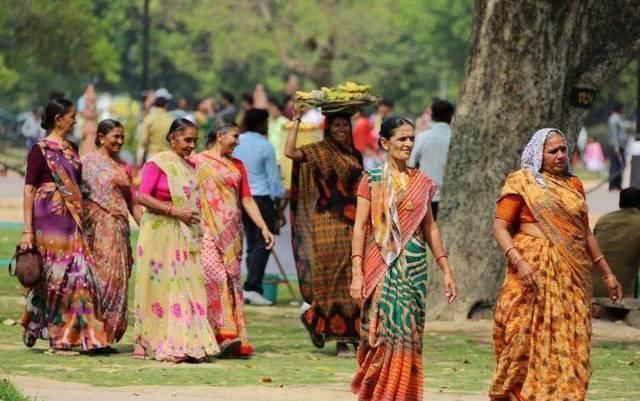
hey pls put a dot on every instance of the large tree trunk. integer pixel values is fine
(525, 58)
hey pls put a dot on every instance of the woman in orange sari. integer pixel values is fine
(542, 332)
(225, 193)
(393, 224)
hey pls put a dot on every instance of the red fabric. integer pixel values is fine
(411, 212)
(155, 183)
(514, 209)
(363, 138)
(245, 190)
(363, 190)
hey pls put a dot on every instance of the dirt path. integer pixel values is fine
(52, 390)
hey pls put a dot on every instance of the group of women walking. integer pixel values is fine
(359, 241)
(188, 300)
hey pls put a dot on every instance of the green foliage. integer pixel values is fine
(53, 46)
(407, 49)
(9, 393)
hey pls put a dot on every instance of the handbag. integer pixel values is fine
(28, 267)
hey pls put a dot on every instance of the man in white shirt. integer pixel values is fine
(31, 129)
(617, 146)
(432, 146)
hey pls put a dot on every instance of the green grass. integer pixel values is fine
(9, 393)
(453, 362)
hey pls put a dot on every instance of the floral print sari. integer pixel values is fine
(170, 300)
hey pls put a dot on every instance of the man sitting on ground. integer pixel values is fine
(618, 234)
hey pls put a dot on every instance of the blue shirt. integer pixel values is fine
(259, 158)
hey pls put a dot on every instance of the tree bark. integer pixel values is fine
(525, 58)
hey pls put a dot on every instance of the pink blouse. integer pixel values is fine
(155, 183)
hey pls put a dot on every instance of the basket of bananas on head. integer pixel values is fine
(342, 98)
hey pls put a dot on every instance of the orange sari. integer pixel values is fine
(542, 339)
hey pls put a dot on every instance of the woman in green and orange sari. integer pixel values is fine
(542, 332)
(393, 224)
(224, 194)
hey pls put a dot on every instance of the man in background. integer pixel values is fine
(259, 158)
(618, 234)
(617, 146)
(31, 129)
(227, 111)
(432, 146)
(155, 126)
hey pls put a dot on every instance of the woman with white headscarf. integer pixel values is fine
(542, 332)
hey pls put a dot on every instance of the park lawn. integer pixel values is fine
(284, 355)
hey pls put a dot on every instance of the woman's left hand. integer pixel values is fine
(451, 291)
(269, 238)
(615, 289)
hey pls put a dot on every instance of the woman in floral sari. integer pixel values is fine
(323, 200)
(225, 193)
(106, 223)
(393, 224)
(542, 332)
(63, 307)
(170, 299)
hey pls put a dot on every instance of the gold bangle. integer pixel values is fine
(599, 258)
(506, 253)
(440, 257)
(356, 256)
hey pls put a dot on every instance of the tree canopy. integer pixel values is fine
(409, 50)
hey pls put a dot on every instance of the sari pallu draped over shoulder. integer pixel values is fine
(542, 339)
(322, 216)
(220, 182)
(106, 223)
(395, 283)
(64, 307)
(170, 300)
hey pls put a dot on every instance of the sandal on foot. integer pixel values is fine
(229, 348)
(343, 351)
(28, 339)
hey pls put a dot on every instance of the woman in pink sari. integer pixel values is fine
(225, 193)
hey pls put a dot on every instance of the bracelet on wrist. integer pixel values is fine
(506, 253)
(441, 257)
(599, 258)
(356, 256)
(607, 276)
(27, 232)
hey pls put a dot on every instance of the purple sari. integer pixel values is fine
(63, 307)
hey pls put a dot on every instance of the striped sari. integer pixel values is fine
(395, 288)
(542, 339)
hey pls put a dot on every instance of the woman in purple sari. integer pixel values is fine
(63, 307)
